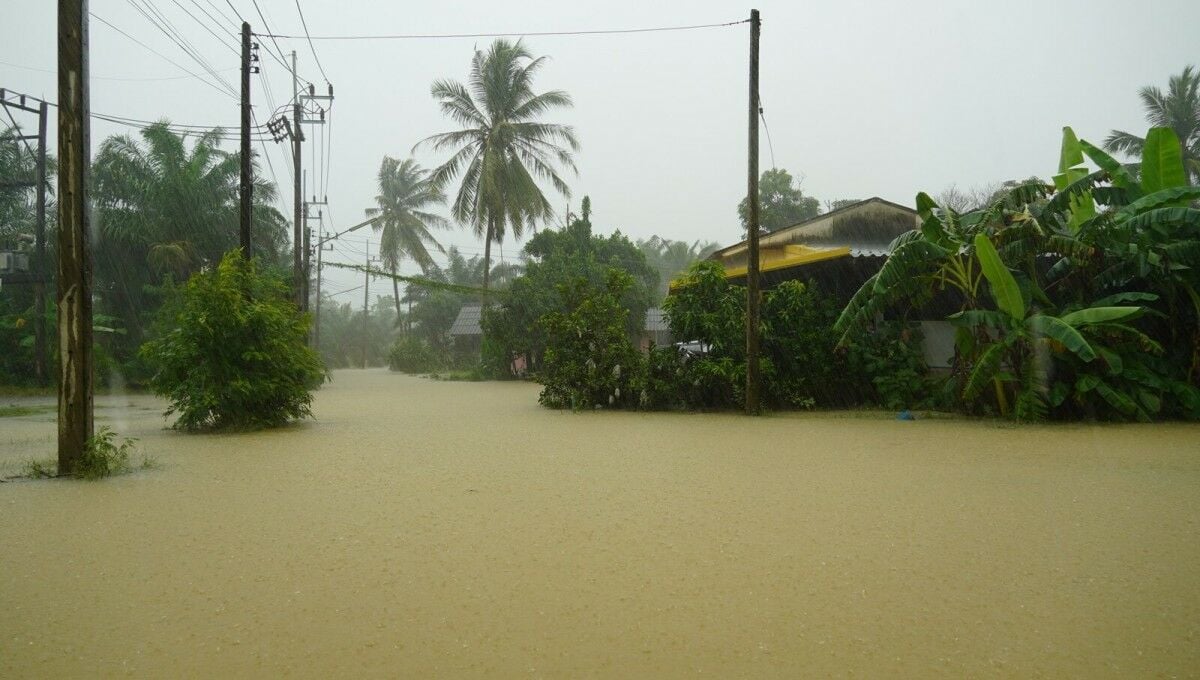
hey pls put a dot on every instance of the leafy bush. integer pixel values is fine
(589, 359)
(891, 361)
(236, 356)
(410, 354)
(799, 341)
(800, 366)
(102, 457)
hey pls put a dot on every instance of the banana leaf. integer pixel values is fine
(1056, 329)
(1174, 197)
(985, 370)
(1003, 286)
(1095, 315)
(1166, 221)
(1162, 161)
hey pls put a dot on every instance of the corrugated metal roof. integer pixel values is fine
(655, 321)
(467, 321)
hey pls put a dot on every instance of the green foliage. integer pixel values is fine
(706, 308)
(410, 354)
(891, 360)
(166, 207)
(1177, 109)
(557, 258)
(502, 147)
(802, 367)
(103, 457)
(347, 332)
(590, 361)
(782, 203)
(1086, 283)
(672, 258)
(236, 357)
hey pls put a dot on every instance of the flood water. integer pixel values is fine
(422, 528)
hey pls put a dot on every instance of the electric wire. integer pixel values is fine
(205, 26)
(280, 57)
(766, 129)
(434, 36)
(163, 24)
(310, 43)
(221, 21)
(95, 77)
(168, 59)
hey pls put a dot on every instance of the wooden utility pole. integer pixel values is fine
(41, 271)
(75, 424)
(298, 272)
(246, 188)
(753, 377)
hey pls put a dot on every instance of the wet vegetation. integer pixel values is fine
(234, 352)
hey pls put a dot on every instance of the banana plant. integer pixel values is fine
(939, 256)
(1020, 341)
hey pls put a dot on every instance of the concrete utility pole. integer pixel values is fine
(753, 378)
(246, 188)
(75, 424)
(298, 272)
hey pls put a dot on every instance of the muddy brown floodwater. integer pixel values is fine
(433, 529)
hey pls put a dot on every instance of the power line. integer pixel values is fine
(235, 12)
(206, 27)
(168, 59)
(52, 71)
(281, 58)
(770, 144)
(433, 36)
(310, 44)
(163, 24)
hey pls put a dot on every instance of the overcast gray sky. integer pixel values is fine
(862, 98)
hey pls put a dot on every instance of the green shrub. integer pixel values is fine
(798, 339)
(891, 360)
(236, 355)
(589, 360)
(410, 354)
(102, 457)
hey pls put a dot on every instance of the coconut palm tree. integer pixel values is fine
(404, 192)
(503, 149)
(1179, 109)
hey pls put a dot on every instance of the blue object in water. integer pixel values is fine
(905, 415)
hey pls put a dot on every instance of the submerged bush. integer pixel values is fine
(235, 356)
(589, 359)
(410, 354)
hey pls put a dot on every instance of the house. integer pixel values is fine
(838, 251)
(465, 331)
(656, 331)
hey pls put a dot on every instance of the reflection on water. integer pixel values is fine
(427, 528)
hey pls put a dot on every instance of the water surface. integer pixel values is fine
(423, 528)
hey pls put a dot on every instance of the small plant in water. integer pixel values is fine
(103, 457)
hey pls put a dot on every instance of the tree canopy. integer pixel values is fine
(782, 202)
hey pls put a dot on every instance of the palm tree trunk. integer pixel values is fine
(396, 293)
(487, 253)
